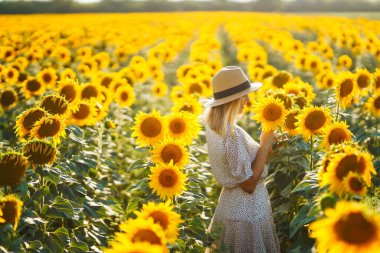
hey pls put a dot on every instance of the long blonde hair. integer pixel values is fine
(218, 117)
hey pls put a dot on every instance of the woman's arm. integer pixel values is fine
(266, 140)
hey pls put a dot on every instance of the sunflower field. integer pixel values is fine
(102, 143)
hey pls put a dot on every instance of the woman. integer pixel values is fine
(243, 212)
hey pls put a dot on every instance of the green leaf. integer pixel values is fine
(58, 240)
(77, 246)
(299, 220)
(52, 175)
(35, 245)
(61, 208)
(132, 205)
(136, 165)
(282, 180)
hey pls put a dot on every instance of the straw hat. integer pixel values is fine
(229, 84)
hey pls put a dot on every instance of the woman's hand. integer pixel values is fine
(267, 139)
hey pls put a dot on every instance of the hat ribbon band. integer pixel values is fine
(233, 90)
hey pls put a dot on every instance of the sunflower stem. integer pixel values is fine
(337, 112)
(100, 145)
(311, 152)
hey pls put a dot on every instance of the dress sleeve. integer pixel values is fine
(238, 159)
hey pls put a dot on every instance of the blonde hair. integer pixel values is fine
(218, 117)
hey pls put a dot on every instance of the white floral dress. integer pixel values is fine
(246, 219)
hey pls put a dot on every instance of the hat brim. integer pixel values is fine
(213, 102)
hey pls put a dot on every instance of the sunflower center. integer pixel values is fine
(349, 163)
(39, 152)
(376, 103)
(68, 92)
(177, 126)
(146, 235)
(346, 88)
(363, 81)
(168, 178)
(10, 74)
(9, 211)
(355, 229)
(89, 92)
(46, 77)
(187, 108)
(287, 100)
(161, 218)
(151, 127)
(195, 88)
(315, 120)
(170, 152)
(124, 96)
(106, 81)
(32, 117)
(54, 105)
(272, 112)
(377, 83)
(291, 120)
(337, 135)
(280, 79)
(83, 112)
(355, 184)
(7, 98)
(12, 169)
(329, 82)
(33, 85)
(49, 129)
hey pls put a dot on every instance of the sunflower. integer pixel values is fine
(142, 230)
(342, 163)
(125, 95)
(47, 77)
(90, 90)
(183, 71)
(176, 93)
(349, 227)
(194, 87)
(183, 126)
(170, 149)
(376, 80)
(270, 112)
(188, 104)
(62, 54)
(158, 76)
(167, 180)
(159, 89)
(363, 80)
(68, 73)
(312, 120)
(344, 61)
(149, 128)
(279, 79)
(32, 87)
(25, 121)
(118, 82)
(84, 52)
(12, 168)
(84, 114)
(54, 104)
(336, 133)
(126, 246)
(346, 88)
(11, 75)
(39, 152)
(290, 122)
(49, 126)
(354, 184)
(7, 53)
(285, 98)
(373, 104)
(8, 98)
(105, 80)
(69, 89)
(11, 207)
(163, 214)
